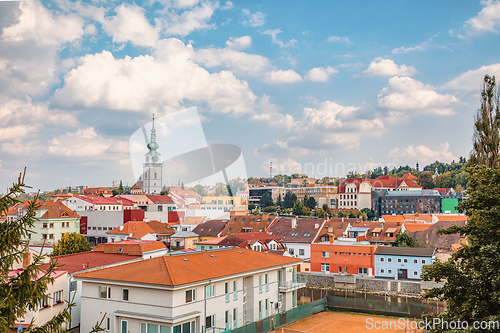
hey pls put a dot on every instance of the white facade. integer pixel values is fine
(225, 302)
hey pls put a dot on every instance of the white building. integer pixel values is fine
(223, 289)
(152, 180)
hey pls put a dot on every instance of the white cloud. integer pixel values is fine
(488, 19)
(130, 24)
(227, 5)
(402, 49)
(338, 39)
(405, 96)
(274, 37)
(320, 74)
(387, 67)
(269, 114)
(23, 118)
(84, 143)
(254, 19)
(472, 80)
(239, 62)
(239, 43)
(422, 154)
(41, 26)
(29, 48)
(185, 22)
(165, 80)
(283, 76)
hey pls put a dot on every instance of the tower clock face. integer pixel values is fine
(155, 158)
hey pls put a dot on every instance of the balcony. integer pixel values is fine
(290, 286)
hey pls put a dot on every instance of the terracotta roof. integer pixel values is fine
(387, 227)
(445, 217)
(416, 226)
(212, 241)
(262, 236)
(96, 190)
(393, 218)
(54, 209)
(356, 181)
(84, 260)
(160, 199)
(442, 242)
(137, 229)
(132, 247)
(409, 176)
(305, 231)
(189, 268)
(387, 181)
(252, 223)
(212, 228)
(161, 228)
(418, 217)
(193, 220)
(337, 226)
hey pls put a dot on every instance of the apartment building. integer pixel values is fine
(190, 292)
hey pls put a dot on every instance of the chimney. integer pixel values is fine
(332, 239)
(121, 227)
(342, 219)
(330, 229)
(328, 219)
(294, 222)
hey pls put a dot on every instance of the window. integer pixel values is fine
(104, 292)
(210, 291)
(58, 297)
(226, 291)
(235, 321)
(389, 271)
(301, 252)
(266, 281)
(423, 261)
(362, 270)
(124, 294)
(190, 295)
(340, 269)
(260, 283)
(290, 251)
(389, 259)
(108, 324)
(226, 319)
(51, 225)
(381, 259)
(415, 273)
(399, 259)
(325, 254)
(415, 261)
(44, 303)
(235, 292)
(124, 326)
(209, 321)
(44, 225)
(382, 271)
(405, 261)
(260, 310)
(267, 307)
(325, 267)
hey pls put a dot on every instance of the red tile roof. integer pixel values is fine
(305, 230)
(84, 260)
(54, 210)
(132, 247)
(160, 199)
(257, 223)
(189, 268)
(161, 228)
(138, 229)
(211, 228)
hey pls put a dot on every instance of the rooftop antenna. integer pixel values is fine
(271, 169)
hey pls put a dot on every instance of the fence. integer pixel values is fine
(278, 320)
(382, 307)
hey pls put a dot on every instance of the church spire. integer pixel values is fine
(153, 145)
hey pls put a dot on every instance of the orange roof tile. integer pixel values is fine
(138, 229)
(189, 268)
(131, 247)
(452, 217)
(393, 218)
(416, 226)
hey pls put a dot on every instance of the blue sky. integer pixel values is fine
(322, 87)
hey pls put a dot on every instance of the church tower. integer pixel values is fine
(152, 170)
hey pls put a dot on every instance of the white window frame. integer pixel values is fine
(128, 294)
(193, 295)
(108, 292)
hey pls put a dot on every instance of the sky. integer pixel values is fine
(321, 87)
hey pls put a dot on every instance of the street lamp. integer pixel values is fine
(345, 266)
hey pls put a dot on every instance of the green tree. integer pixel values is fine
(311, 203)
(251, 207)
(266, 200)
(405, 240)
(425, 180)
(25, 290)
(289, 200)
(298, 208)
(486, 126)
(351, 215)
(279, 202)
(200, 190)
(370, 214)
(221, 190)
(471, 280)
(120, 188)
(71, 243)
(115, 192)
